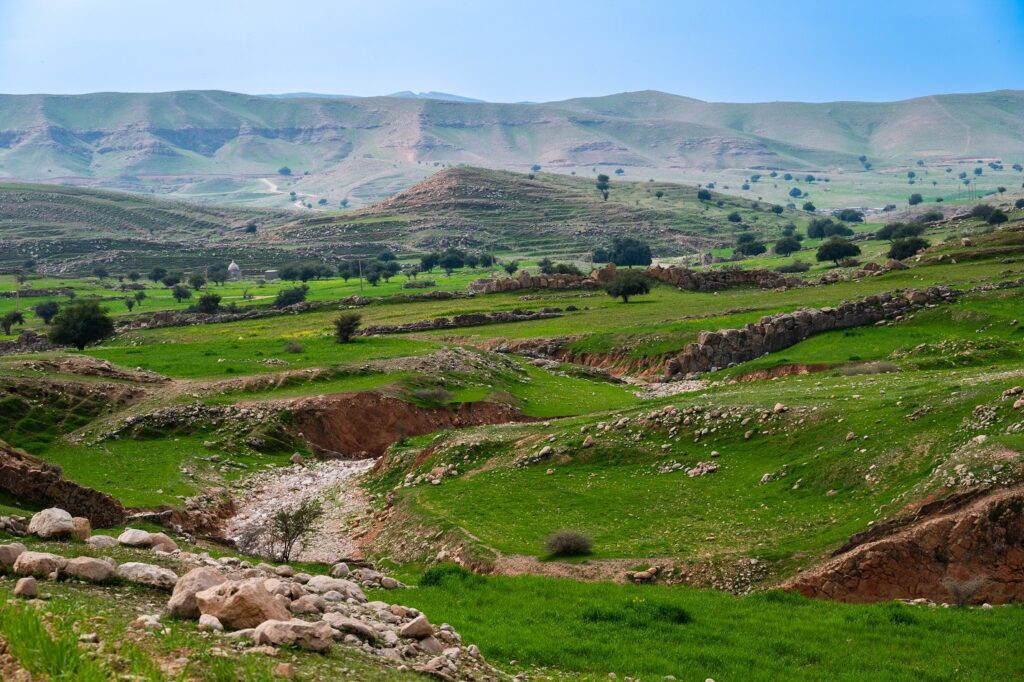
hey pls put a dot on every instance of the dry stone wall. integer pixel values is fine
(713, 280)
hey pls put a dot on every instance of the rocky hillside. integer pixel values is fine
(228, 145)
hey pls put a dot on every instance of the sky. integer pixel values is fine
(527, 50)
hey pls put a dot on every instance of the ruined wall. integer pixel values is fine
(33, 481)
(725, 347)
(713, 280)
(524, 280)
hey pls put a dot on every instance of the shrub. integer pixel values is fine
(850, 215)
(433, 396)
(915, 199)
(286, 528)
(80, 324)
(795, 266)
(963, 591)
(568, 543)
(47, 310)
(837, 249)
(436, 575)
(208, 303)
(905, 248)
(997, 217)
(293, 347)
(287, 297)
(10, 319)
(345, 326)
(1019, 203)
(734, 217)
(703, 195)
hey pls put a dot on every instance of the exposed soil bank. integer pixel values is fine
(972, 543)
(617, 363)
(362, 425)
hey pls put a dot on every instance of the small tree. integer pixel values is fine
(47, 310)
(905, 248)
(284, 170)
(809, 207)
(915, 199)
(140, 296)
(100, 272)
(627, 284)
(787, 245)
(511, 267)
(208, 303)
(997, 217)
(734, 217)
(345, 326)
(180, 292)
(372, 276)
(157, 274)
(703, 195)
(287, 297)
(129, 303)
(81, 323)
(568, 543)
(10, 319)
(836, 249)
(660, 193)
(602, 184)
(133, 276)
(171, 281)
(218, 273)
(535, 167)
(285, 529)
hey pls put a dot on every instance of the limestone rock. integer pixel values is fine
(9, 554)
(90, 569)
(241, 604)
(51, 523)
(132, 537)
(25, 588)
(38, 563)
(82, 529)
(182, 603)
(147, 574)
(418, 628)
(101, 542)
(316, 636)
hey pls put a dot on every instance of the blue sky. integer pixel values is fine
(739, 51)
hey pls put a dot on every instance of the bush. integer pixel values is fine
(81, 323)
(837, 249)
(568, 543)
(795, 266)
(47, 310)
(208, 303)
(787, 245)
(905, 248)
(345, 326)
(436, 575)
(432, 396)
(982, 211)
(850, 215)
(703, 195)
(293, 347)
(997, 217)
(734, 217)
(963, 591)
(287, 297)
(1019, 203)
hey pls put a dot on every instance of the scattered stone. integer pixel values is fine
(101, 542)
(210, 622)
(51, 523)
(81, 529)
(38, 563)
(133, 537)
(25, 588)
(147, 574)
(183, 600)
(9, 554)
(90, 569)
(316, 636)
(418, 628)
(241, 604)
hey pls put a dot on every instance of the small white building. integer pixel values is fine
(270, 275)
(234, 272)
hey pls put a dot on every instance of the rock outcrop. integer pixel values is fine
(33, 481)
(967, 549)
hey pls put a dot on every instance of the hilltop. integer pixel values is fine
(222, 146)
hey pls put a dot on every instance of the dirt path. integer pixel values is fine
(333, 483)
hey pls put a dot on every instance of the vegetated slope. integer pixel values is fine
(542, 214)
(74, 228)
(221, 144)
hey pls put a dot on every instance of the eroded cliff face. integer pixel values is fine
(361, 425)
(967, 548)
(33, 481)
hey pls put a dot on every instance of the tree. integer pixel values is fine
(386, 256)
(322, 202)
(218, 273)
(287, 297)
(140, 296)
(344, 203)
(915, 199)
(100, 272)
(546, 265)
(809, 207)
(46, 310)
(836, 249)
(284, 170)
(602, 185)
(208, 303)
(1019, 203)
(751, 248)
(627, 284)
(997, 217)
(251, 228)
(776, 209)
(372, 276)
(390, 269)
(129, 303)
(133, 276)
(81, 323)
(625, 251)
(850, 215)
(197, 281)
(180, 292)
(278, 536)
(535, 167)
(703, 195)
(10, 319)
(170, 280)
(511, 266)
(796, 192)
(429, 261)
(345, 326)
(787, 245)
(450, 261)
(345, 270)
(734, 217)
(660, 193)
(905, 248)
(157, 274)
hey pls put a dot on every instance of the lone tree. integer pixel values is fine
(10, 319)
(787, 245)
(345, 326)
(602, 184)
(81, 323)
(286, 528)
(626, 284)
(836, 249)
(47, 310)
(180, 292)
(284, 170)
(218, 273)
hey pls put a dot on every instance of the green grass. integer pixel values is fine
(593, 629)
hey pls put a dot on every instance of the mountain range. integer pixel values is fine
(229, 147)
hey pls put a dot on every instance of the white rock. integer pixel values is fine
(51, 523)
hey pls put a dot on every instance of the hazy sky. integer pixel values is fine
(536, 50)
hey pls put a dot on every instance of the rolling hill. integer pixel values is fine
(220, 146)
(72, 229)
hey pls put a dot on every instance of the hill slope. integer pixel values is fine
(223, 145)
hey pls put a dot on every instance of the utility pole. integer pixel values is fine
(360, 274)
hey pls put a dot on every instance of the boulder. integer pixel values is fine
(38, 563)
(25, 588)
(9, 554)
(162, 542)
(418, 628)
(183, 600)
(147, 574)
(51, 523)
(321, 584)
(133, 537)
(90, 569)
(101, 542)
(339, 570)
(82, 529)
(316, 636)
(208, 622)
(350, 626)
(241, 604)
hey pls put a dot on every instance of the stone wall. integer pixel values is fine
(719, 349)
(524, 280)
(33, 481)
(713, 280)
(27, 342)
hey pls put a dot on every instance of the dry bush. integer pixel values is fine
(963, 591)
(568, 543)
(868, 368)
